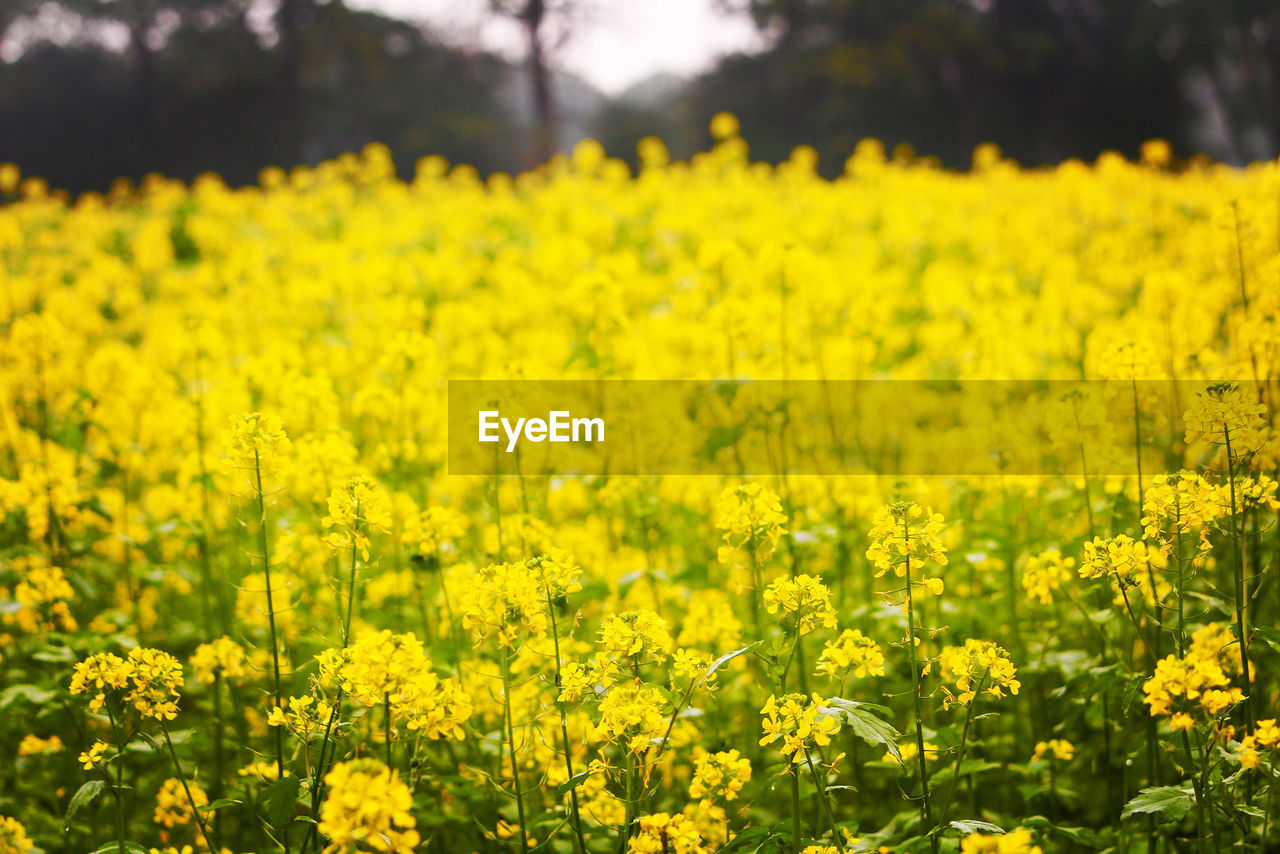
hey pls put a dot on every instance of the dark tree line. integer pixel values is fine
(184, 86)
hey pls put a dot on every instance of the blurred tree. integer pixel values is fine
(547, 25)
(70, 110)
(1046, 79)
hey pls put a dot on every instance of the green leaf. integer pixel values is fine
(1268, 635)
(572, 783)
(279, 799)
(1170, 801)
(752, 839)
(114, 848)
(864, 724)
(724, 659)
(31, 693)
(82, 798)
(222, 803)
(973, 826)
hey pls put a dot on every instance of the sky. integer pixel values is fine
(617, 43)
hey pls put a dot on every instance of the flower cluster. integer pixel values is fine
(719, 776)
(631, 715)
(357, 509)
(662, 833)
(635, 638)
(384, 668)
(977, 666)
(1014, 842)
(219, 659)
(506, 601)
(1186, 688)
(43, 596)
(851, 653)
(1045, 573)
(1224, 414)
(1265, 735)
(256, 442)
(800, 721)
(906, 534)
(1121, 559)
(751, 517)
(1055, 748)
(13, 837)
(147, 681)
(367, 808)
(307, 717)
(804, 603)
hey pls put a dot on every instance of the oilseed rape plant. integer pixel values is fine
(246, 608)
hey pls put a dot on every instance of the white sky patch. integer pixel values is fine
(616, 44)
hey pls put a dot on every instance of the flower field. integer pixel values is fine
(245, 608)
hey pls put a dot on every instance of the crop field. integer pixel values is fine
(245, 607)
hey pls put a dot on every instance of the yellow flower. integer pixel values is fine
(367, 808)
(639, 637)
(662, 833)
(1046, 573)
(356, 509)
(33, 745)
(803, 600)
(752, 520)
(977, 666)
(905, 533)
(505, 601)
(13, 837)
(800, 723)
(148, 680)
(1014, 842)
(92, 758)
(1055, 747)
(1223, 414)
(851, 653)
(256, 442)
(1122, 559)
(219, 659)
(719, 776)
(173, 808)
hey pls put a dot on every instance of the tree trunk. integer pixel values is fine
(540, 78)
(289, 84)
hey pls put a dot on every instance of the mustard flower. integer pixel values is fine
(799, 721)
(719, 776)
(905, 532)
(662, 833)
(219, 659)
(1014, 842)
(804, 603)
(255, 440)
(752, 520)
(13, 837)
(851, 653)
(977, 666)
(367, 808)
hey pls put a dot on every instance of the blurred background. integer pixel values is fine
(91, 90)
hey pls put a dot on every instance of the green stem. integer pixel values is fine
(118, 789)
(511, 742)
(177, 767)
(964, 738)
(271, 611)
(826, 801)
(795, 810)
(386, 726)
(564, 727)
(926, 809)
